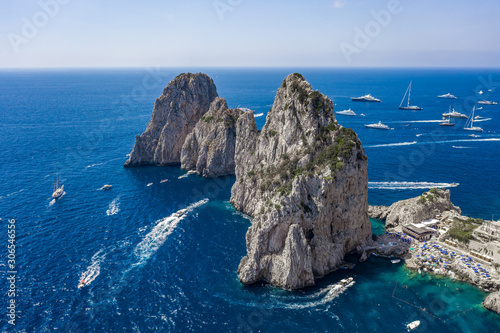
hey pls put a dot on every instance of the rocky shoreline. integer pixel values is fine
(442, 255)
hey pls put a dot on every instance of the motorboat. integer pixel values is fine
(448, 95)
(413, 325)
(163, 180)
(179, 213)
(379, 125)
(348, 112)
(365, 98)
(149, 184)
(106, 187)
(191, 172)
(395, 261)
(485, 102)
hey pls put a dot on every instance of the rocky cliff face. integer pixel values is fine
(209, 148)
(183, 102)
(492, 302)
(304, 180)
(415, 210)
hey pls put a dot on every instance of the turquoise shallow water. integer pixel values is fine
(150, 271)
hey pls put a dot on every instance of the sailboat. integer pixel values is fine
(58, 190)
(447, 122)
(469, 125)
(408, 106)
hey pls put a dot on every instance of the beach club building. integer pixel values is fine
(421, 231)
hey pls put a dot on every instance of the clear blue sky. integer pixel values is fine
(127, 33)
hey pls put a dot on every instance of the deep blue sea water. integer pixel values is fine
(151, 271)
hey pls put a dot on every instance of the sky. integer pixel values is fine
(249, 33)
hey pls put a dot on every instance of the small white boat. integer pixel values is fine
(163, 180)
(81, 284)
(365, 98)
(58, 190)
(485, 102)
(179, 213)
(362, 115)
(480, 92)
(149, 184)
(106, 187)
(448, 95)
(413, 325)
(408, 106)
(474, 136)
(191, 172)
(379, 125)
(348, 112)
(469, 125)
(345, 282)
(395, 261)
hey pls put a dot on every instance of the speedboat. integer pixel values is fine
(455, 184)
(395, 261)
(413, 325)
(365, 98)
(485, 102)
(191, 172)
(378, 126)
(58, 190)
(345, 282)
(347, 113)
(81, 284)
(149, 184)
(454, 114)
(106, 187)
(448, 95)
(163, 180)
(474, 136)
(179, 213)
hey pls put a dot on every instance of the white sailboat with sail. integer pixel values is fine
(469, 125)
(58, 190)
(408, 106)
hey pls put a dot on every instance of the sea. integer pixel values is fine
(147, 269)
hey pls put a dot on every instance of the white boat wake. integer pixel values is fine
(408, 185)
(418, 121)
(157, 236)
(461, 147)
(481, 119)
(93, 270)
(258, 115)
(114, 207)
(392, 144)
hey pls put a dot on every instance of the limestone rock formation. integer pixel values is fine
(209, 148)
(304, 180)
(492, 302)
(183, 102)
(415, 210)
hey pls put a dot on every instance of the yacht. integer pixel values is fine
(378, 126)
(448, 95)
(365, 98)
(58, 190)
(469, 125)
(454, 114)
(485, 102)
(408, 106)
(347, 113)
